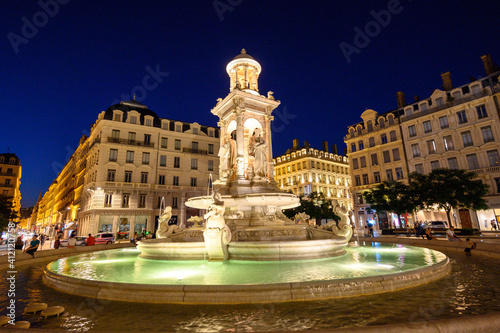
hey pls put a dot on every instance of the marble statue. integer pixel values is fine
(341, 228)
(227, 154)
(217, 234)
(344, 227)
(257, 147)
(302, 218)
(165, 230)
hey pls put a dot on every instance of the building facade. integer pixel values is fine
(133, 164)
(10, 178)
(303, 170)
(376, 154)
(456, 128)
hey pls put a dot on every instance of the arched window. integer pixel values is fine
(369, 125)
(12, 160)
(391, 119)
(381, 122)
(359, 129)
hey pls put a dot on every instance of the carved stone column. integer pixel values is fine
(246, 77)
(183, 209)
(270, 166)
(240, 144)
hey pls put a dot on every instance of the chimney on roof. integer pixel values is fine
(295, 144)
(400, 96)
(447, 85)
(416, 98)
(325, 146)
(489, 66)
(334, 149)
(306, 144)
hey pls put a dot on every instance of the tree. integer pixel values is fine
(316, 205)
(392, 196)
(7, 212)
(453, 188)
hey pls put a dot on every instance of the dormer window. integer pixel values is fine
(195, 131)
(178, 128)
(369, 125)
(381, 122)
(391, 120)
(12, 160)
(117, 115)
(211, 133)
(164, 125)
(148, 121)
(439, 102)
(133, 120)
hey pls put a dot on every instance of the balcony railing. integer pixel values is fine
(487, 170)
(195, 151)
(130, 142)
(8, 174)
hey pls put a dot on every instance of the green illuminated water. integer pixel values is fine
(124, 265)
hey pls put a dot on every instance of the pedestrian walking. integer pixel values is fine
(493, 225)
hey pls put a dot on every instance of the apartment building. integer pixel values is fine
(376, 154)
(303, 170)
(133, 164)
(453, 128)
(10, 178)
(459, 128)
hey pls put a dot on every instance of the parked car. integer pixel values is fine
(80, 241)
(437, 226)
(104, 238)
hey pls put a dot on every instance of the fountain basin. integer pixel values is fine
(282, 200)
(121, 275)
(160, 249)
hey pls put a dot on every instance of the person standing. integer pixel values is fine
(42, 240)
(493, 225)
(57, 243)
(33, 246)
(90, 240)
(18, 246)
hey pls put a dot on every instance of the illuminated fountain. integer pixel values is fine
(263, 256)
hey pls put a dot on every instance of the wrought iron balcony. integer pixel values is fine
(130, 142)
(195, 151)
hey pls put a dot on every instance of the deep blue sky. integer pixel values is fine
(91, 52)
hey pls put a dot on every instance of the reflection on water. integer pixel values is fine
(471, 288)
(360, 261)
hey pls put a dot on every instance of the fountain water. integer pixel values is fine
(245, 227)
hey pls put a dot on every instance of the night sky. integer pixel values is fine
(88, 55)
